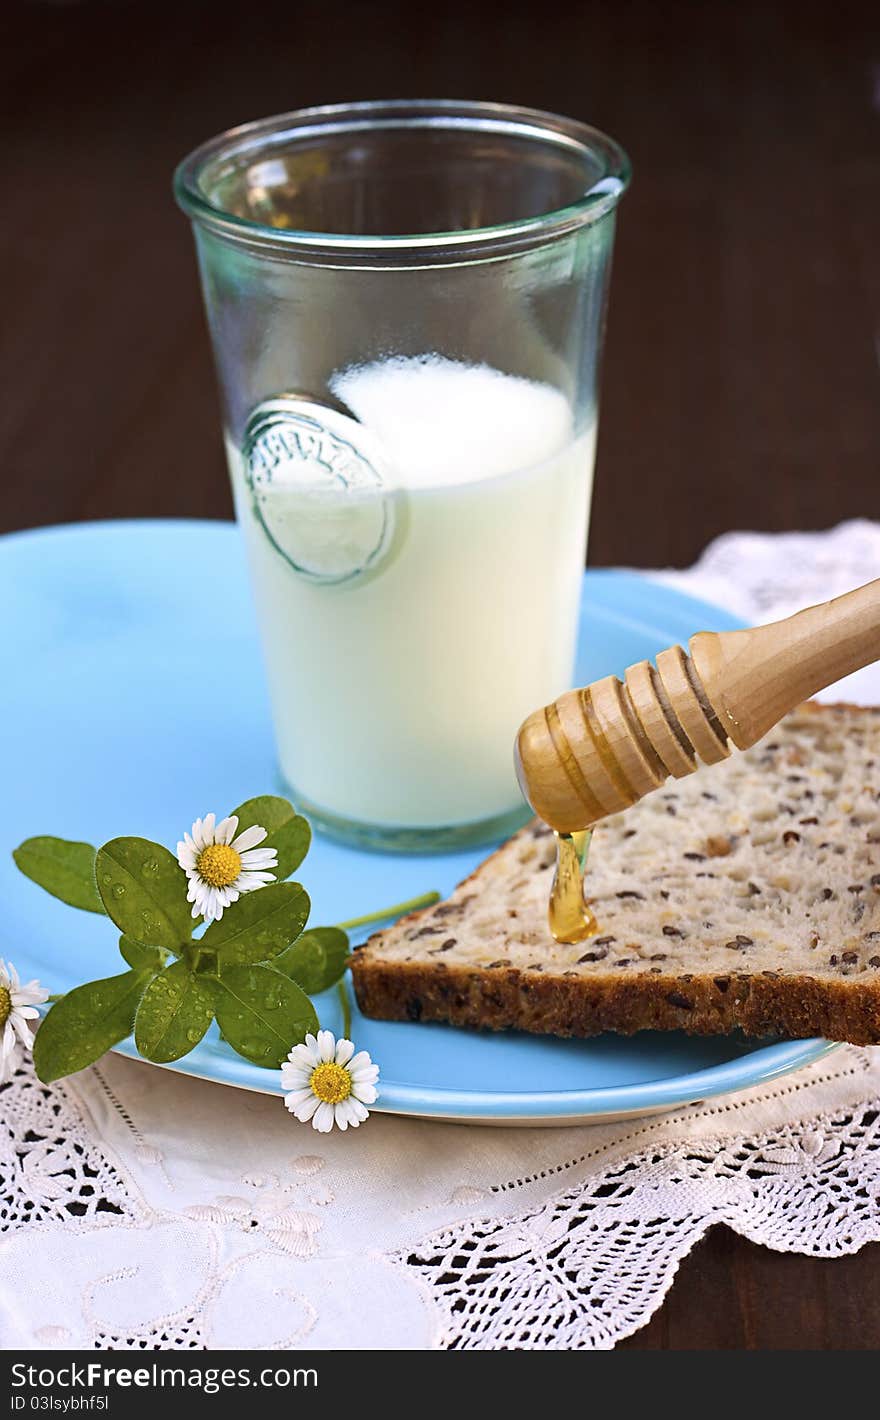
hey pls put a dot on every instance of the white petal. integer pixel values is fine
(27, 1013)
(360, 1061)
(249, 882)
(365, 1075)
(225, 830)
(31, 994)
(186, 857)
(208, 828)
(8, 1043)
(4, 974)
(323, 1118)
(367, 1094)
(249, 838)
(344, 1051)
(340, 1117)
(306, 1055)
(345, 1113)
(22, 1029)
(259, 858)
(261, 874)
(359, 1110)
(297, 1097)
(305, 1110)
(295, 1077)
(211, 909)
(198, 834)
(14, 982)
(326, 1044)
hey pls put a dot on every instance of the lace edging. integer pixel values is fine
(591, 1265)
(52, 1170)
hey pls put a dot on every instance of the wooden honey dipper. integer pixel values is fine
(598, 750)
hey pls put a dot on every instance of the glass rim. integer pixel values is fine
(264, 134)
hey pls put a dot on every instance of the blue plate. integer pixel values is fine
(115, 719)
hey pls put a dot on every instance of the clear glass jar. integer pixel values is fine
(406, 303)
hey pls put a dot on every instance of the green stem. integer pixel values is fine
(413, 905)
(346, 1009)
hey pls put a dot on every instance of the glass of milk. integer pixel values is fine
(406, 302)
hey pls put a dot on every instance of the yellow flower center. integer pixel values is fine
(5, 1005)
(218, 865)
(330, 1082)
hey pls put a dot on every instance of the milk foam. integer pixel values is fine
(442, 422)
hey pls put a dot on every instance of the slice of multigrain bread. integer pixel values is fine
(746, 896)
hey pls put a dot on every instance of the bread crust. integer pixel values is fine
(549, 1001)
(509, 999)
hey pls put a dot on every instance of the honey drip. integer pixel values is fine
(570, 917)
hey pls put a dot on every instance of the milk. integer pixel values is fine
(397, 694)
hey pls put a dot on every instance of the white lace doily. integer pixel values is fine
(144, 1209)
(765, 576)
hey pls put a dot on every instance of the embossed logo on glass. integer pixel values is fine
(322, 500)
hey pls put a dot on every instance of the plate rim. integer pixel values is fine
(757, 1067)
(769, 1062)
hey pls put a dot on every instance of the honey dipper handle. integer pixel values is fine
(597, 750)
(752, 678)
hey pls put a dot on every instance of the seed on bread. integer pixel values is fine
(755, 907)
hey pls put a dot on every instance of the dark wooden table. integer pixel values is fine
(741, 376)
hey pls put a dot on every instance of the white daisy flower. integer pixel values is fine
(17, 1008)
(327, 1083)
(220, 867)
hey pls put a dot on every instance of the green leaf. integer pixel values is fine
(175, 1011)
(317, 960)
(63, 868)
(262, 1014)
(259, 925)
(140, 956)
(87, 1022)
(288, 833)
(143, 888)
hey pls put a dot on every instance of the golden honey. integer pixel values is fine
(570, 917)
